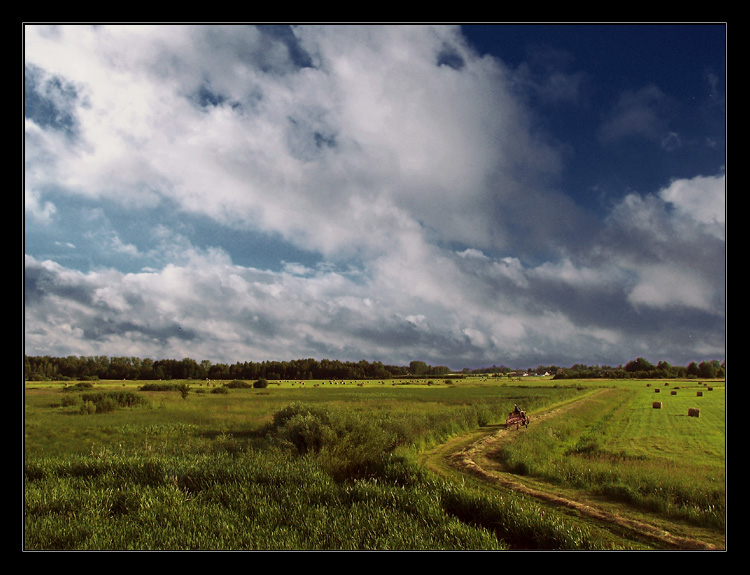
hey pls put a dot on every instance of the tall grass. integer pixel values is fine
(259, 500)
(267, 500)
(524, 524)
(278, 469)
(313, 477)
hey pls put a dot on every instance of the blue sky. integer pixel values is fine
(462, 195)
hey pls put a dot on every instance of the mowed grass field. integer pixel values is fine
(333, 465)
(617, 445)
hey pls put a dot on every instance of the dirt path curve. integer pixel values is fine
(473, 459)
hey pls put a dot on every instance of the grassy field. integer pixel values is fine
(326, 466)
(619, 446)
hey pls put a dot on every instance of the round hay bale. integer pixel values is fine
(656, 405)
(694, 412)
(657, 390)
(699, 394)
(710, 389)
(674, 393)
(648, 385)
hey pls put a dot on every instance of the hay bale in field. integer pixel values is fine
(694, 412)
(657, 390)
(699, 394)
(648, 385)
(656, 405)
(710, 389)
(673, 392)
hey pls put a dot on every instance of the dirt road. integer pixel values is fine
(475, 459)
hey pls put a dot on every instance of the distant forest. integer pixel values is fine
(92, 368)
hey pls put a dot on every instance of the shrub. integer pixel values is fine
(68, 401)
(306, 428)
(239, 384)
(281, 417)
(261, 384)
(108, 402)
(306, 432)
(159, 387)
(88, 408)
(348, 445)
(80, 386)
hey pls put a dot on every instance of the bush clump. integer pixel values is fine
(80, 386)
(261, 384)
(306, 428)
(108, 402)
(160, 386)
(88, 408)
(69, 401)
(347, 445)
(238, 384)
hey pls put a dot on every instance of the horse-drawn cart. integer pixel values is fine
(517, 418)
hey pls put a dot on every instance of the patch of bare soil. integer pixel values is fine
(474, 459)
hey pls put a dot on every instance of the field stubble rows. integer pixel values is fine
(638, 444)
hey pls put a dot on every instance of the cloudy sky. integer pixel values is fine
(462, 195)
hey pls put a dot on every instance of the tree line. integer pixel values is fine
(88, 368)
(643, 369)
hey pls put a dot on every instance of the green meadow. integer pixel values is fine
(343, 465)
(619, 446)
